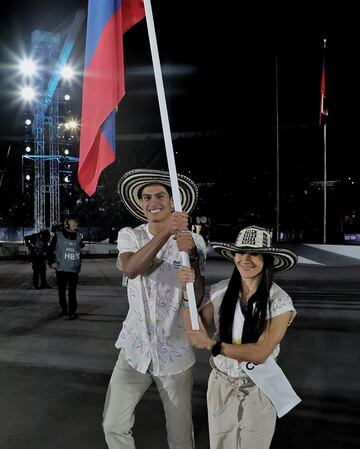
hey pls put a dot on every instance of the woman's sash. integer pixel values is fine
(268, 376)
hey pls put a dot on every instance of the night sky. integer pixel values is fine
(218, 61)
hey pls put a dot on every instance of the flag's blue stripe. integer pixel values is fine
(108, 129)
(99, 13)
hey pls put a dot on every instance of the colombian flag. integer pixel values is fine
(104, 84)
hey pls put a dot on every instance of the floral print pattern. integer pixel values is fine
(153, 335)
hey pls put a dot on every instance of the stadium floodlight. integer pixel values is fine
(28, 149)
(67, 72)
(67, 178)
(27, 177)
(67, 97)
(28, 67)
(72, 124)
(66, 151)
(28, 93)
(28, 122)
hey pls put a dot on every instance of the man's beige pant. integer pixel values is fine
(240, 415)
(126, 388)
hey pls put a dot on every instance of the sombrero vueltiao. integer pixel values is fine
(257, 240)
(133, 181)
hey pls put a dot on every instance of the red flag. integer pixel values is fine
(323, 110)
(104, 84)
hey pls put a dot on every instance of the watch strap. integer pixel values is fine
(216, 349)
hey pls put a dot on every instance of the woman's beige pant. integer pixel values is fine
(240, 415)
(126, 388)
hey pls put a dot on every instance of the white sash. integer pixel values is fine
(271, 380)
(268, 376)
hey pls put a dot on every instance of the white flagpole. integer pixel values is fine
(277, 155)
(169, 148)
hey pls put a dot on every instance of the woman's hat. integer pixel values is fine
(257, 240)
(132, 182)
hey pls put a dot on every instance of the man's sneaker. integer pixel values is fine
(45, 286)
(64, 313)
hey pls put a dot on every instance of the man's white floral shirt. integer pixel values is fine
(153, 335)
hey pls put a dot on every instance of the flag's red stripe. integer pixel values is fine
(133, 13)
(96, 162)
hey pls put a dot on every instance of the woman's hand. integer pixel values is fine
(200, 339)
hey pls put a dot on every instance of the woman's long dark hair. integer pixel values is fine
(256, 309)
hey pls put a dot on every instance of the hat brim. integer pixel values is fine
(133, 181)
(283, 259)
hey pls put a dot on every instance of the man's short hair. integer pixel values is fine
(68, 218)
(167, 188)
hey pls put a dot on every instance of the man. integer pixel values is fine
(65, 249)
(153, 343)
(38, 246)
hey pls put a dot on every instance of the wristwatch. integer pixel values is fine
(216, 349)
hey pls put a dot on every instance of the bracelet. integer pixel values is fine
(185, 307)
(216, 349)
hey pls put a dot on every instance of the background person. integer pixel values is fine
(65, 251)
(38, 244)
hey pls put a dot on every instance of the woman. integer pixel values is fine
(246, 388)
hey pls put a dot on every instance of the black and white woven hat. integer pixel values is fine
(257, 240)
(133, 181)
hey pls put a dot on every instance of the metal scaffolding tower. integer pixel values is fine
(45, 50)
(50, 58)
(54, 178)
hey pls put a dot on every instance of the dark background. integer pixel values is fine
(218, 62)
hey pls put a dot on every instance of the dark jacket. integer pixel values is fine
(38, 245)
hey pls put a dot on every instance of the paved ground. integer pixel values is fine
(54, 373)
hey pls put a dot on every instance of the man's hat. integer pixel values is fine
(132, 182)
(257, 240)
